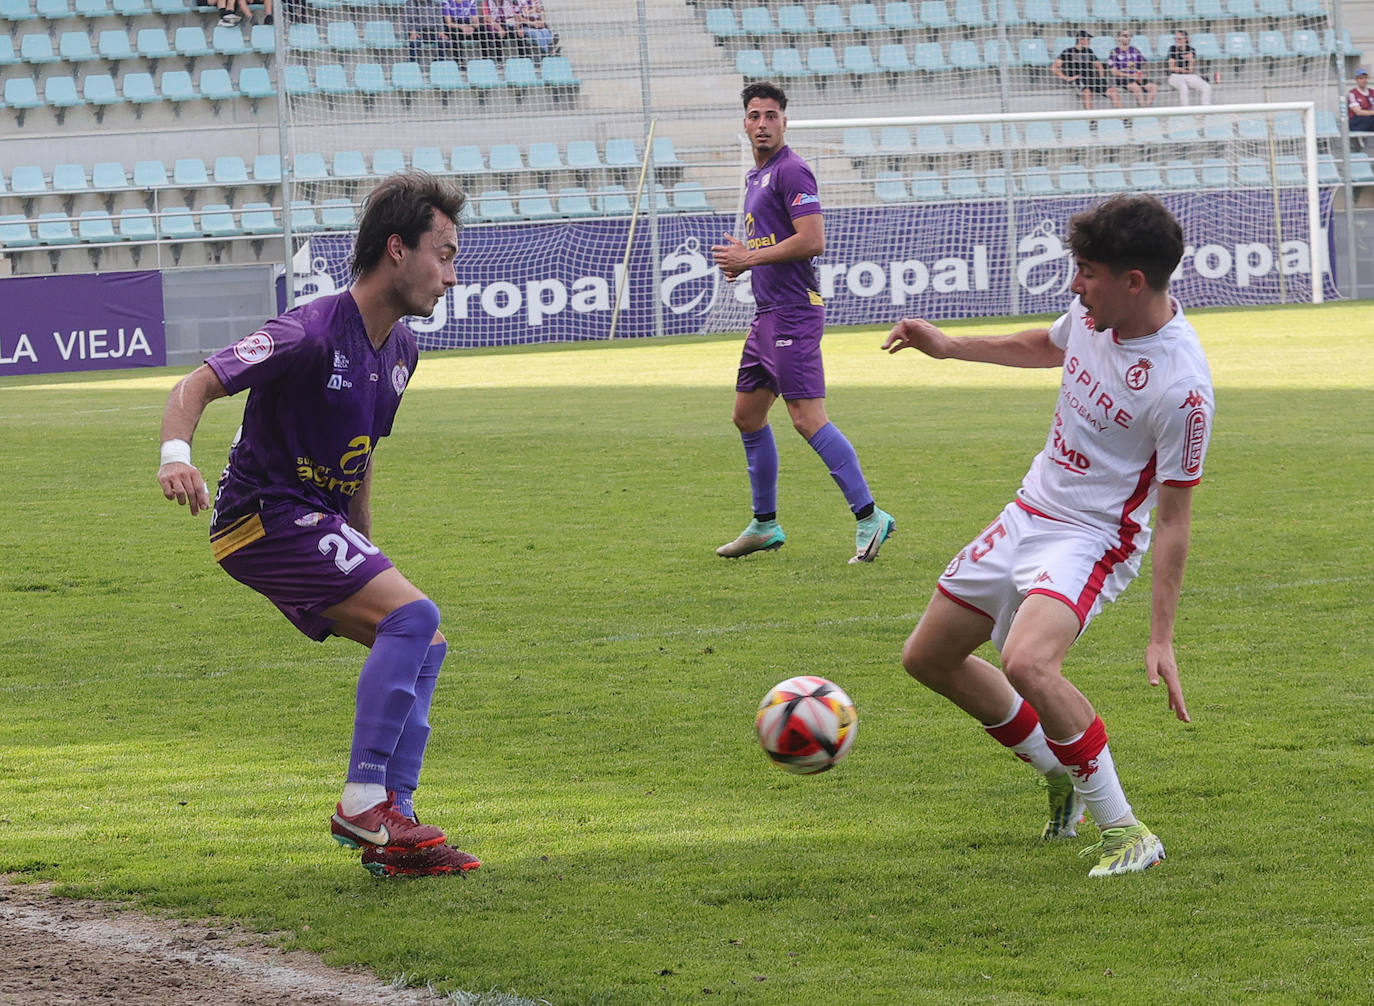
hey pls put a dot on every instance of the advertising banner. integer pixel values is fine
(60, 324)
(526, 283)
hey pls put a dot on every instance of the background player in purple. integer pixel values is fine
(292, 518)
(1130, 432)
(784, 231)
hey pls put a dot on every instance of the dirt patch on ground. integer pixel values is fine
(61, 952)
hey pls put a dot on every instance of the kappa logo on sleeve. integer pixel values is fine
(254, 348)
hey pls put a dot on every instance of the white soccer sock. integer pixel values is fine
(1022, 734)
(361, 796)
(1094, 776)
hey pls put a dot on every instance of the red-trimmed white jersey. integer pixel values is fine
(1132, 414)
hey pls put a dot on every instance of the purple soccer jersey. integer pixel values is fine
(320, 396)
(775, 195)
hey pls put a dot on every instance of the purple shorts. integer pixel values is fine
(783, 353)
(300, 559)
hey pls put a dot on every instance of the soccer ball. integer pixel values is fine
(806, 724)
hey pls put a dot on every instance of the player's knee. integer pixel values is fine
(1026, 671)
(921, 664)
(419, 618)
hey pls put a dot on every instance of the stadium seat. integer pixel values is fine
(896, 141)
(505, 159)
(544, 156)
(963, 184)
(381, 36)
(757, 21)
(900, 16)
(1361, 170)
(1207, 10)
(1252, 129)
(446, 77)
(1181, 175)
(1036, 181)
(483, 75)
(342, 36)
(1003, 134)
(150, 175)
(348, 164)
(822, 63)
(189, 171)
(1073, 12)
(430, 159)
(215, 84)
(387, 161)
(229, 42)
(722, 24)
(137, 225)
(1074, 179)
(467, 160)
(1307, 44)
(614, 201)
(927, 186)
(858, 62)
(934, 15)
(95, 227)
(1112, 133)
(263, 39)
(8, 57)
(1109, 177)
(70, 178)
(857, 143)
(928, 57)
(1207, 46)
(229, 171)
(662, 204)
(1271, 45)
(17, 11)
(217, 221)
(621, 153)
(1040, 135)
(1253, 172)
(574, 201)
(55, 229)
(830, 21)
(971, 14)
(752, 64)
(52, 10)
(995, 183)
(929, 139)
(171, 7)
(893, 59)
(337, 214)
(998, 53)
(690, 197)
(178, 223)
(151, 43)
(303, 218)
(267, 169)
(15, 232)
(1033, 52)
(1183, 129)
(864, 18)
(1146, 176)
(131, 8)
(1215, 173)
(75, 47)
(557, 73)
(36, 49)
(99, 91)
(332, 78)
(408, 78)
(1291, 171)
(520, 73)
(259, 219)
(304, 37)
(787, 64)
(582, 155)
(1237, 46)
(1040, 12)
(964, 55)
(176, 86)
(113, 44)
(1242, 9)
(535, 204)
(190, 41)
(1148, 129)
(109, 176)
(28, 180)
(1275, 8)
(369, 79)
(794, 21)
(496, 206)
(256, 82)
(310, 167)
(968, 136)
(61, 93)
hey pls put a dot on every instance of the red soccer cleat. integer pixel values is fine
(382, 827)
(431, 861)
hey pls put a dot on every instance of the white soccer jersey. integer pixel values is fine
(1132, 414)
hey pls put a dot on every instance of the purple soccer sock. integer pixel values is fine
(761, 457)
(386, 687)
(839, 456)
(403, 771)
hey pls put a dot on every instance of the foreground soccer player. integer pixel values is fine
(292, 518)
(1130, 429)
(782, 354)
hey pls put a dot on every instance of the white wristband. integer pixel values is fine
(176, 450)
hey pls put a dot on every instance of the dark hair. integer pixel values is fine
(1129, 232)
(402, 204)
(764, 89)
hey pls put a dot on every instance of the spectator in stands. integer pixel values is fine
(503, 23)
(462, 26)
(424, 26)
(1127, 63)
(1183, 70)
(1360, 104)
(233, 13)
(1079, 66)
(542, 41)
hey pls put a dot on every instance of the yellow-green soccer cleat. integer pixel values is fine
(1125, 850)
(1066, 809)
(757, 537)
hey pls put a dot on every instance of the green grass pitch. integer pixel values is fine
(168, 739)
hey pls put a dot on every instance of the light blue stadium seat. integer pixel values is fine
(137, 225)
(964, 55)
(1307, 44)
(176, 86)
(36, 49)
(483, 75)
(787, 64)
(1182, 129)
(1252, 129)
(1253, 172)
(151, 43)
(894, 59)
(1328, 171)
(332, 78)
(1207, 10)
(15, 232)
(971, 14)
(229, 42)
(757, 21)
(1109, 177)
(665, 153)
(662, 202)
(187, 171)
(889, 187)
(1003, 134)
(348, 164)
(1215, 173)
(337, 214)
(721, 23)
(256, 82)
(896, 140)
(259, 219)
(408, 78)
(55, 229)
(171, 7)
(95, 227)
(75, 47)
(381, 35)
(506, 158)
(430, 159)
(929, 139)
(822, 62)
(927, 187)
(1074, 179)
(793, 20)
(582, 155)
(968, 136)
(190, 41)
(1040, 12)
(928, 57)
(17, 11)
(8, 57)
(304, 37)
(342, 36)
(995, 183)
(1112, 133)
(1237, 45)
(998, 53)
(370, 79)
(109, 176)
(621, 153)
(544, 156)
(963, 184)
(1216, 129)
(1146, 176)
(1075, 133)
(574, 201)
(467, 160)
(535, 204)
(900, 16)
(1272, 45)
(520, 73)
(28, 180)
(557, 73)
(857, 143)
(1108, 12)
(1291, 171)
(1007, 11)
(1242, 9)
(864, 17)
(858, 60)
(230, 171)
(934, 14)
(263, 39)
(267, 169)
(1207, 46)
(178, 223)
(496, 206)
(1033, 52)
(1148, 129)
(310, 167)
(1361, 169)
(61, 93)
(131, 8)
(113, 44)
(99, 91)
(614, 201)
(690, 197)
(303, 218)
(1073, 12)
(387, 161)
(1275, 8)
(70, 178)
(1040, 135)
(1036, 181)
(751, 64)
(215, 84)
(446, 77)
(217, 220)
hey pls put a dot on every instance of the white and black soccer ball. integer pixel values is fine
(806, 724)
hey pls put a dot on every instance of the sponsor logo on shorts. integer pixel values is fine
(399, 376)
(780, 343)
(254, 348)
(1138, 374)
(309, 519)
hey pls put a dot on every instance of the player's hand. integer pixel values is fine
(918, 334)
(1160, 664)
(185, 484)
(732, 258)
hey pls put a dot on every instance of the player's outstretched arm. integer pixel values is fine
(181, 480)
(1173, 522)
(1030, 347)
